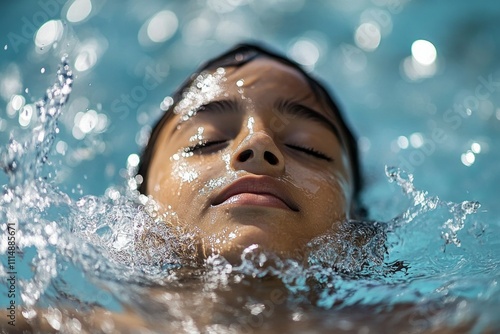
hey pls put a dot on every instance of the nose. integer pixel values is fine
(258, 154)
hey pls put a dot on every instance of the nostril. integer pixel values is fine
(271, 158)
(245, 155)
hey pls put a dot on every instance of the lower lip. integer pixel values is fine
(265, 200)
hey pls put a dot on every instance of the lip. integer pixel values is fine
(256, 191)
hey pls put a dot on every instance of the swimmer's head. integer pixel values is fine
(252, 150)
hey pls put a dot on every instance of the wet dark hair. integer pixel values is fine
(238, 56)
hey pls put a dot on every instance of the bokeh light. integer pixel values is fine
(468, 158)
(50, 32)
(86, 59)
(423, 52)
(368, 36)
(89, 52)
(25, 115)
(197, 30)
(17, 102)
(159, 28)
(87, 122)
(476, 147)
(416, 140)
(133, 160)
(422, 63)
(403, 142)
(79, 10)
(304, 52)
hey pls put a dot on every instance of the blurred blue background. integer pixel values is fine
(419, 80)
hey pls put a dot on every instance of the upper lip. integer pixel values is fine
(256, 185)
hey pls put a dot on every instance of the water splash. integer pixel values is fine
(105, 239)
(357, 246)
(115, 248)
(205, 87)
(24, 162)
(28, 197)
(422, 203)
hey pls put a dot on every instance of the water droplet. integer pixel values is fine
(470, 207)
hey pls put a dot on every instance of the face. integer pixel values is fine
(252, 156)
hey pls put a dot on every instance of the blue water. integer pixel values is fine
(83, 237)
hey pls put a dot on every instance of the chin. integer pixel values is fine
(250, 214)
(278, 243)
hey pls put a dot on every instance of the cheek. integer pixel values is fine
(327, 192)
(190, 180)
(184, 173)
(185, 178)
(175, 181)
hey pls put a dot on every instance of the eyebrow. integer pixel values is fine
(219, 106)
(284, 107)
(301, 111)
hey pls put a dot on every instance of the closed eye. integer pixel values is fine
(206, 147)
(310, 151)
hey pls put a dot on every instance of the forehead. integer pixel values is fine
(266, 81)
(267, 66)
(268, 73)
(261, 82)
